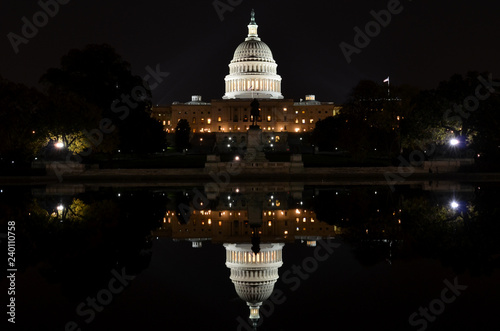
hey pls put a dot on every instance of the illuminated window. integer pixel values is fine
(220, 223)
(168, 122)
(297, 121)
(245, 118)
(202, 120)
(311, 120)
(219, 119)
(269, 223)
(209, 121)
(194, 120)
(269, 118)
(303, 121)
(164, 122)
(209, 221)
(277, 138)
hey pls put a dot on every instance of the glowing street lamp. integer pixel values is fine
(454, 141)
(454, 204)
(59, 144)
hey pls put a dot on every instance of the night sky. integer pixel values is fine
(424, 44)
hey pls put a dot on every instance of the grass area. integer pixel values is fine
(156, 162)
(278, 157)
(326, 160)
(176, 160)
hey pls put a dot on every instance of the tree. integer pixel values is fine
(182, 132)
(369, 122)
(449, 111)
(20, 114)
(101, 77)
(70, 119)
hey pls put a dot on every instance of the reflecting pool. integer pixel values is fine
(284, 256)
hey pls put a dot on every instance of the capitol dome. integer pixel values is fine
(252, 71)
(254, 274)
(253, 50)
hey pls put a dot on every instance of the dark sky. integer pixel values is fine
(424, 44)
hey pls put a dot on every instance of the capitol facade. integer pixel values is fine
(252, 75)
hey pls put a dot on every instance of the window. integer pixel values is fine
(303, 121)
(202, 120)
(235, 118)
(269, 118)
(311, 121)
(245, 118)
(194, 120)
(168, 122)
(164, 122)
(297, 121)
(277, 139)
(209, 121)
(219, 119)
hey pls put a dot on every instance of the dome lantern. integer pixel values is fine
(252, 28)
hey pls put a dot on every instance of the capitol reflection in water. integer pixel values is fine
(253, 224)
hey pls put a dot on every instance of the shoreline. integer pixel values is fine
(342, 175)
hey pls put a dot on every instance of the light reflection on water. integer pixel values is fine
(389, 254)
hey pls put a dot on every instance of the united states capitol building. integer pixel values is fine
(252, 75)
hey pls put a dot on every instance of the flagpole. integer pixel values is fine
(388, 86)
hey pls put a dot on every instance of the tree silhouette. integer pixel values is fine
(182, 132)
